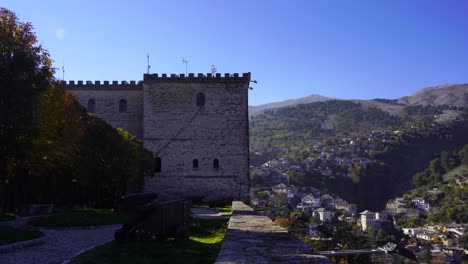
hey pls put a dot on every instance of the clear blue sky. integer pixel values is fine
(343, 49)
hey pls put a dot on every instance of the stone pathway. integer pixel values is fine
(61, 245)
(206, 213)
(252, 238)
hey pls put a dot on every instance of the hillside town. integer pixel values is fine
(285, 201)
(347, 156)
(281, 191)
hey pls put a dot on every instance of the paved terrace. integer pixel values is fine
(252, 238)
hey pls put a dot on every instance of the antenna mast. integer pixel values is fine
(63, 70)
(149, 66)
(186, 62)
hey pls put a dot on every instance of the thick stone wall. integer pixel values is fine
(178, 131)
(163, 112)
(253, 238)
(107, 97)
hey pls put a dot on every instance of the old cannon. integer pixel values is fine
(158, 220)
(135, 201)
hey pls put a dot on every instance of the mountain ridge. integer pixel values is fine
(450, 94)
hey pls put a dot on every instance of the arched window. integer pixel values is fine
(123, 106)
(216, 164)
(91, 106)
(157, 164)
(201, 99)
(195, 164)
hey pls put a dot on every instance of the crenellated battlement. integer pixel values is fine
(181, 118)
(83, 85)
(135, 85)
(200, 77)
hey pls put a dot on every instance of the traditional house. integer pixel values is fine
(421, 204)
(310, 199)
(350, 209)
(309, 202)
(280, 189)
(371, 219)
(323, 214)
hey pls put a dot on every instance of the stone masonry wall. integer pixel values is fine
(253, 238)
(162, 112)
(107, 98)
(178, 131)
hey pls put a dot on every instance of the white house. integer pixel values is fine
(323, 214)
(280, 189)
(311, 200)
(413, 231)
(421, 204)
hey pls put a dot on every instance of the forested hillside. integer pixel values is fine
(443, 184)
(393, 171)
(305, 123)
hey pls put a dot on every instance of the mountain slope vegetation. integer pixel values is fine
(307, 123)
(443, 184)
(455, 95)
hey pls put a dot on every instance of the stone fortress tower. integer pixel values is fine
(196, 126)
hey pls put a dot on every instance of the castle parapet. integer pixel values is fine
(105, 85)
(200, 77)
(136, 85)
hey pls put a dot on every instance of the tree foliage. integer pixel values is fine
(51, 150)
(293, 126)
(25, 70)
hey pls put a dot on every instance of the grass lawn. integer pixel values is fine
(203, 246)
(83, 217)
(10, 234)
(7, 217)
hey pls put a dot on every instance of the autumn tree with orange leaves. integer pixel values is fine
(51, 150)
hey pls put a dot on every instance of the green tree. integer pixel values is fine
(51, 150)
(464, 155)
(427, 256)
(25, 70)
(436, 167)
(463, 241)
(421, 178)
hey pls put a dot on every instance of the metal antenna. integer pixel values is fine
(213, 69)
(149, 66)
(186, 62)
(63, 70)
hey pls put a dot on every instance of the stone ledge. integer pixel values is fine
(252, 238)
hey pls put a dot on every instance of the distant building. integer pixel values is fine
(412, 231)
(371, 219)
(350, 209)
(314, 201)
(280, 189)
(323, 214)
(421, 204)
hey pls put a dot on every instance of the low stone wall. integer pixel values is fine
(252, 238)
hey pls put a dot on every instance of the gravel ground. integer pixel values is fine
(61, 245)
